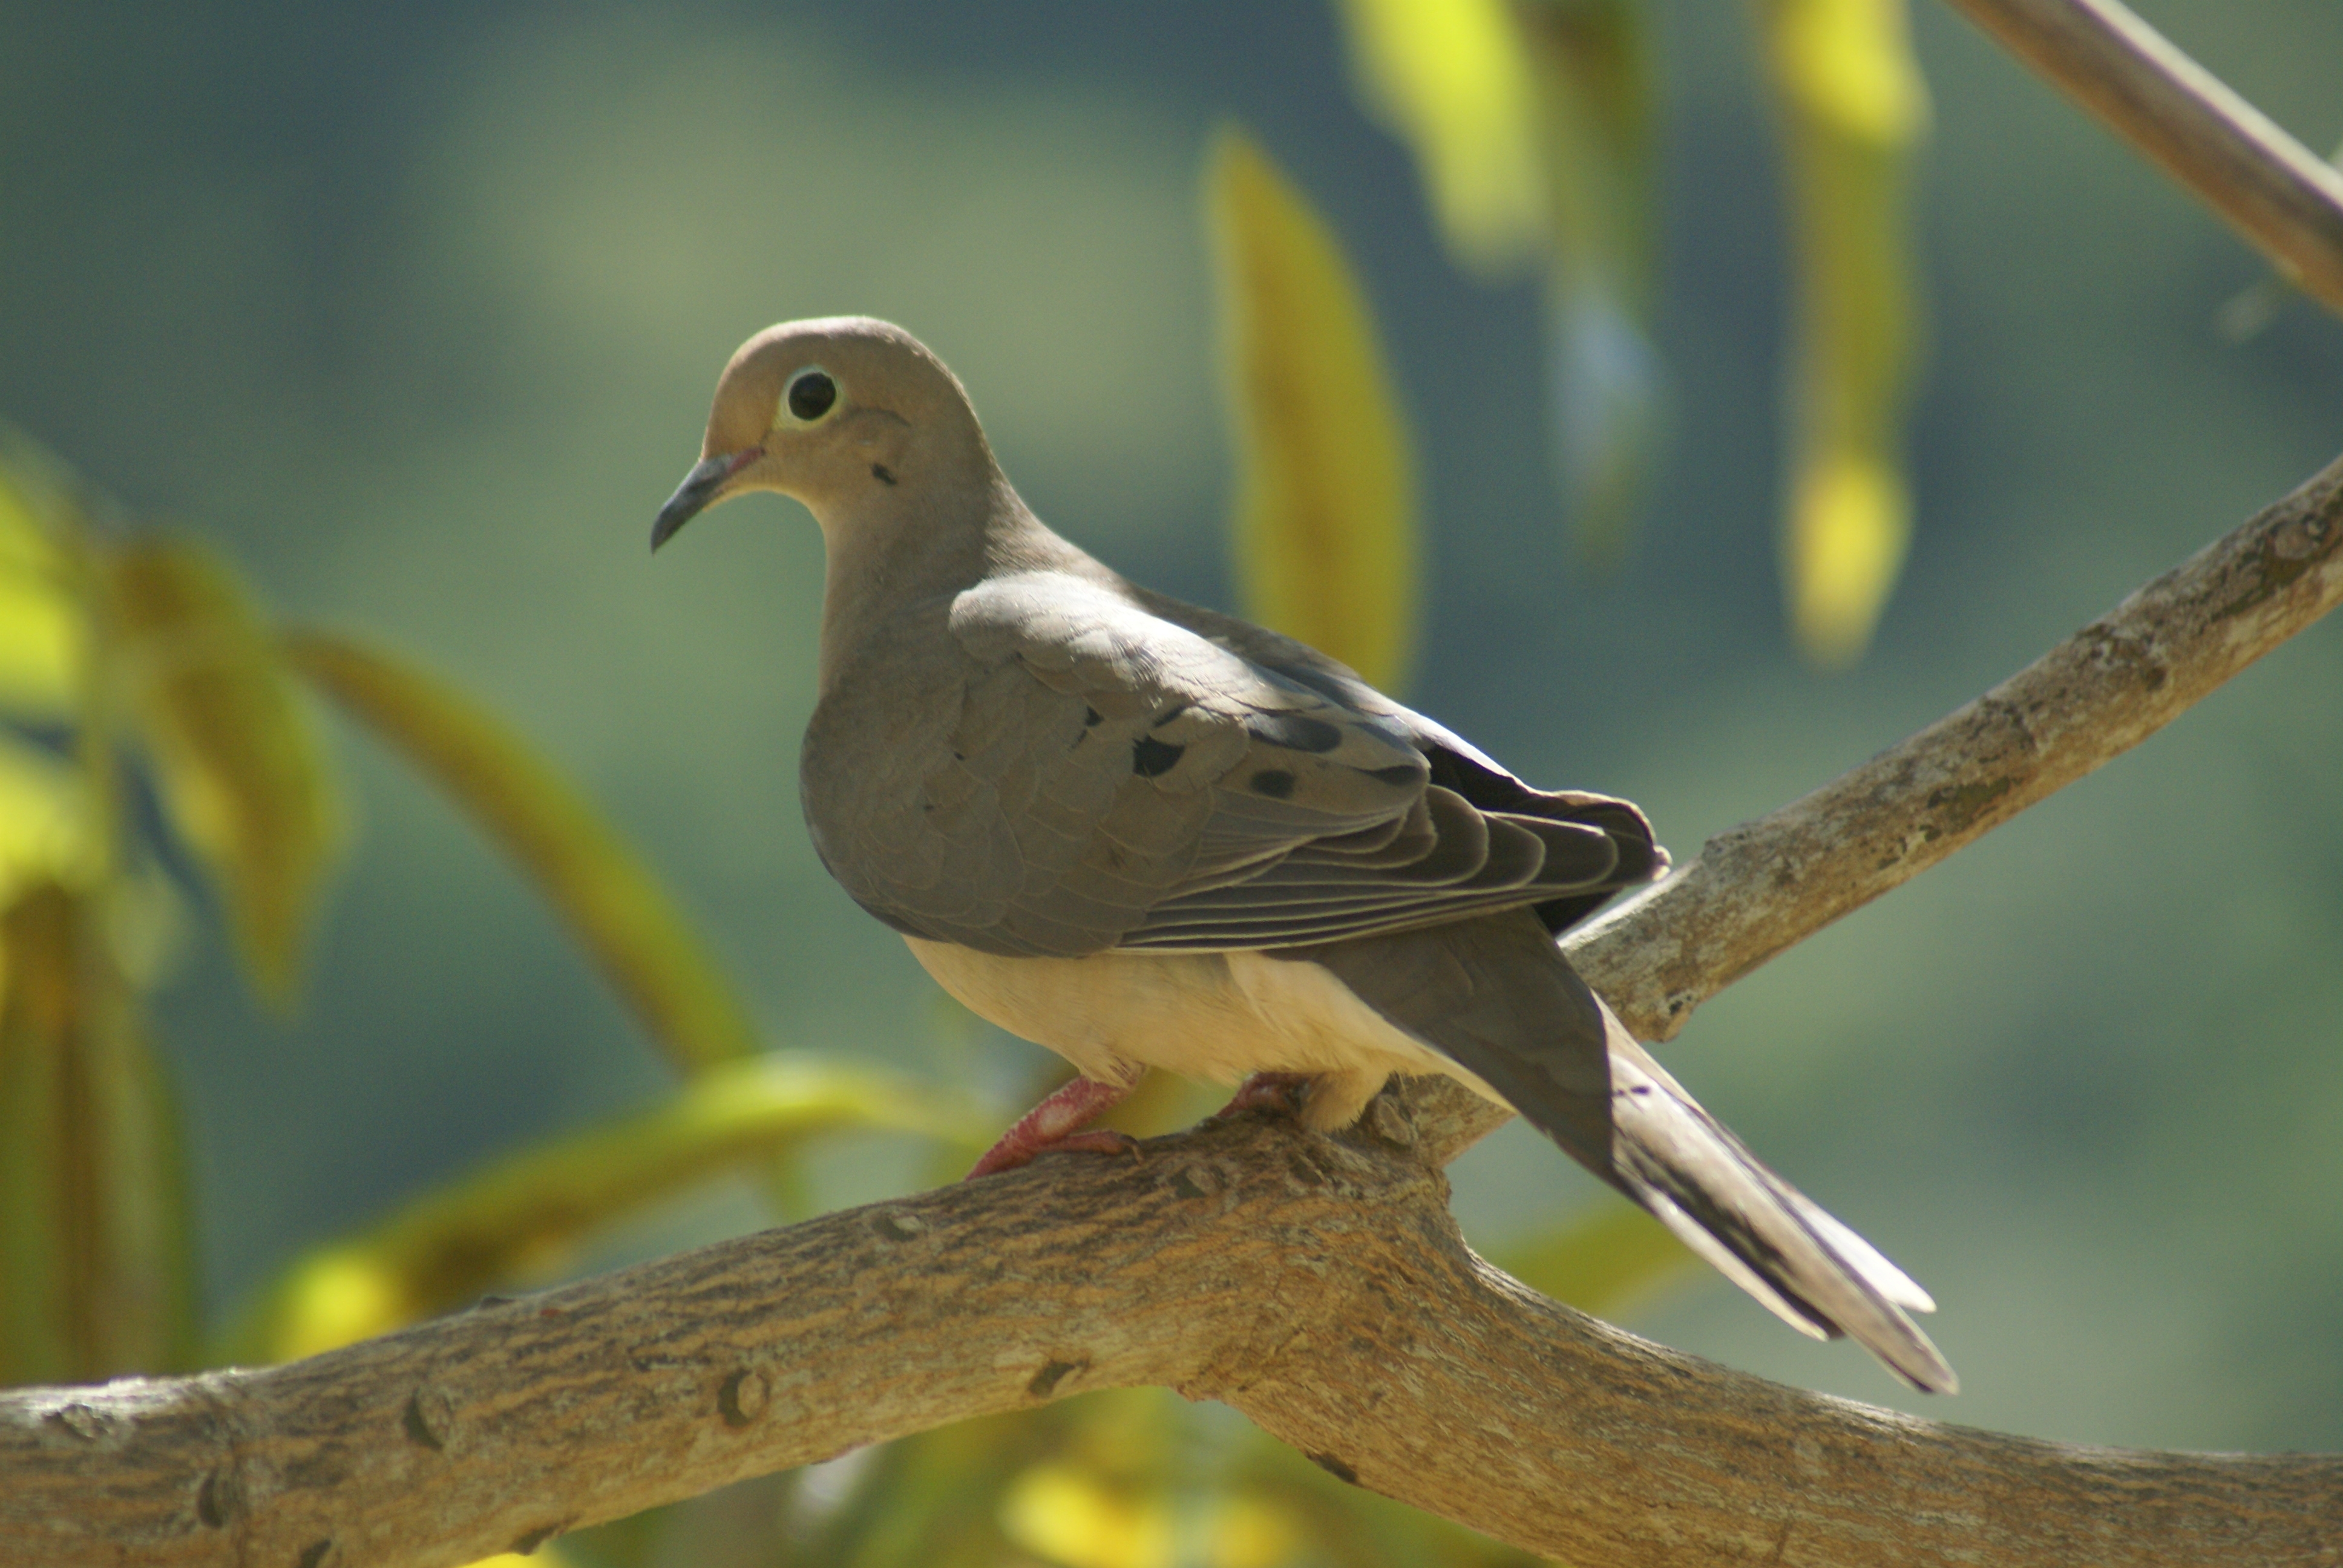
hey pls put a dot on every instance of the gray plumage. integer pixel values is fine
(1146, 834)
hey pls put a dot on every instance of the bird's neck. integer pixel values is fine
(897, 552)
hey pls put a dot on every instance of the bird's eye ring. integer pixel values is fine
(812, 394)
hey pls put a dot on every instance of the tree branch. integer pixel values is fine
(1317, 1284)
(2281, 196)
(1759, 889)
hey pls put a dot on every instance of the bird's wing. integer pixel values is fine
(1112, 778)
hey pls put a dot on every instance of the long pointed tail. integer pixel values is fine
(1762, 1233)
(1496, 996)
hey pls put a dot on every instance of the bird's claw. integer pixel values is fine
(1283, 1091)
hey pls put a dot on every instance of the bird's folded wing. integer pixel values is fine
(1115, 780)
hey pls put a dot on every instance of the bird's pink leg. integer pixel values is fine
(1055, 1124)
(1270, 1091)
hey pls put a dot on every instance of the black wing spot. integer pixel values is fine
(1274, 782)
(879, 471)
(1295, 731)
(1090, 717)
(1397, 776)
(1150, 756)
(1167, 715)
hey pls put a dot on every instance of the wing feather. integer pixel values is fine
(1101, 770)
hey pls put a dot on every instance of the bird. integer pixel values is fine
(1145, 834)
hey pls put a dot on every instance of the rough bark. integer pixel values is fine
(1317, 1284)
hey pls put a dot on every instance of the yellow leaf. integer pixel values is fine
(94, 1251)
(44, 822)
(1846, 66)
(1449, 77)
(615, 907)
(521, 1215)
(1850, 520)
(43, 631)
(1252, 1531)
(1600, 1264)
(1590, 68)
(1325, 518)
(239, 766)
(1070, 1516)
(1853, 106)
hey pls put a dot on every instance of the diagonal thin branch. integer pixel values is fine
(1760, 888)
(2280, 196)
(1317, 1284)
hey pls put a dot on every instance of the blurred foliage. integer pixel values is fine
(155, 740)
(609, 899)
(1851, 105)
(523, 1217)
(1325, 524)
(1534, 125)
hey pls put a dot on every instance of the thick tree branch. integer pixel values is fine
(1318, 1285)
(2281, 196)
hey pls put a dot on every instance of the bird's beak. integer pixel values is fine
(698, 490)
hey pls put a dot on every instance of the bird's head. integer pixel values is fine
(832, 412)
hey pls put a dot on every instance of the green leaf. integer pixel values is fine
(1601, 1264)
(47, 835)
(1325, 518)
(241, 773)
(1533, 126)
(1589, 63)
(522, 1215)
(96, 1257)
(43, 632)
(615, 908)
(1451, 81)
(1853, 106)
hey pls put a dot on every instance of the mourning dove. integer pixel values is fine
(1147, 835)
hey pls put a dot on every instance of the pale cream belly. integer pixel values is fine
(1215, 1016)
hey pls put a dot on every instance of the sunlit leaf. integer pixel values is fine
(1069, 1514)
(241, 772)
(659, 966)
(522, 1215)
(43, 629)
(1592, 87)
(1449, 78)
(1853, 106)
(1601, 1264)
(1250, 1531)
(45, 832)
(94, 1250)
(1325, 522)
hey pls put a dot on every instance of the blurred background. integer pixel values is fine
(414, 313)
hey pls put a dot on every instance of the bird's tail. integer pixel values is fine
(1764, 1235)
(1496, 996)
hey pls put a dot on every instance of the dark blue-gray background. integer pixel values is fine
(417, 308)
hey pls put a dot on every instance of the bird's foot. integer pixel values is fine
(1285, 1092)
(1058, 1124)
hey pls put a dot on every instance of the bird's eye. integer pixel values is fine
(812, 394)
